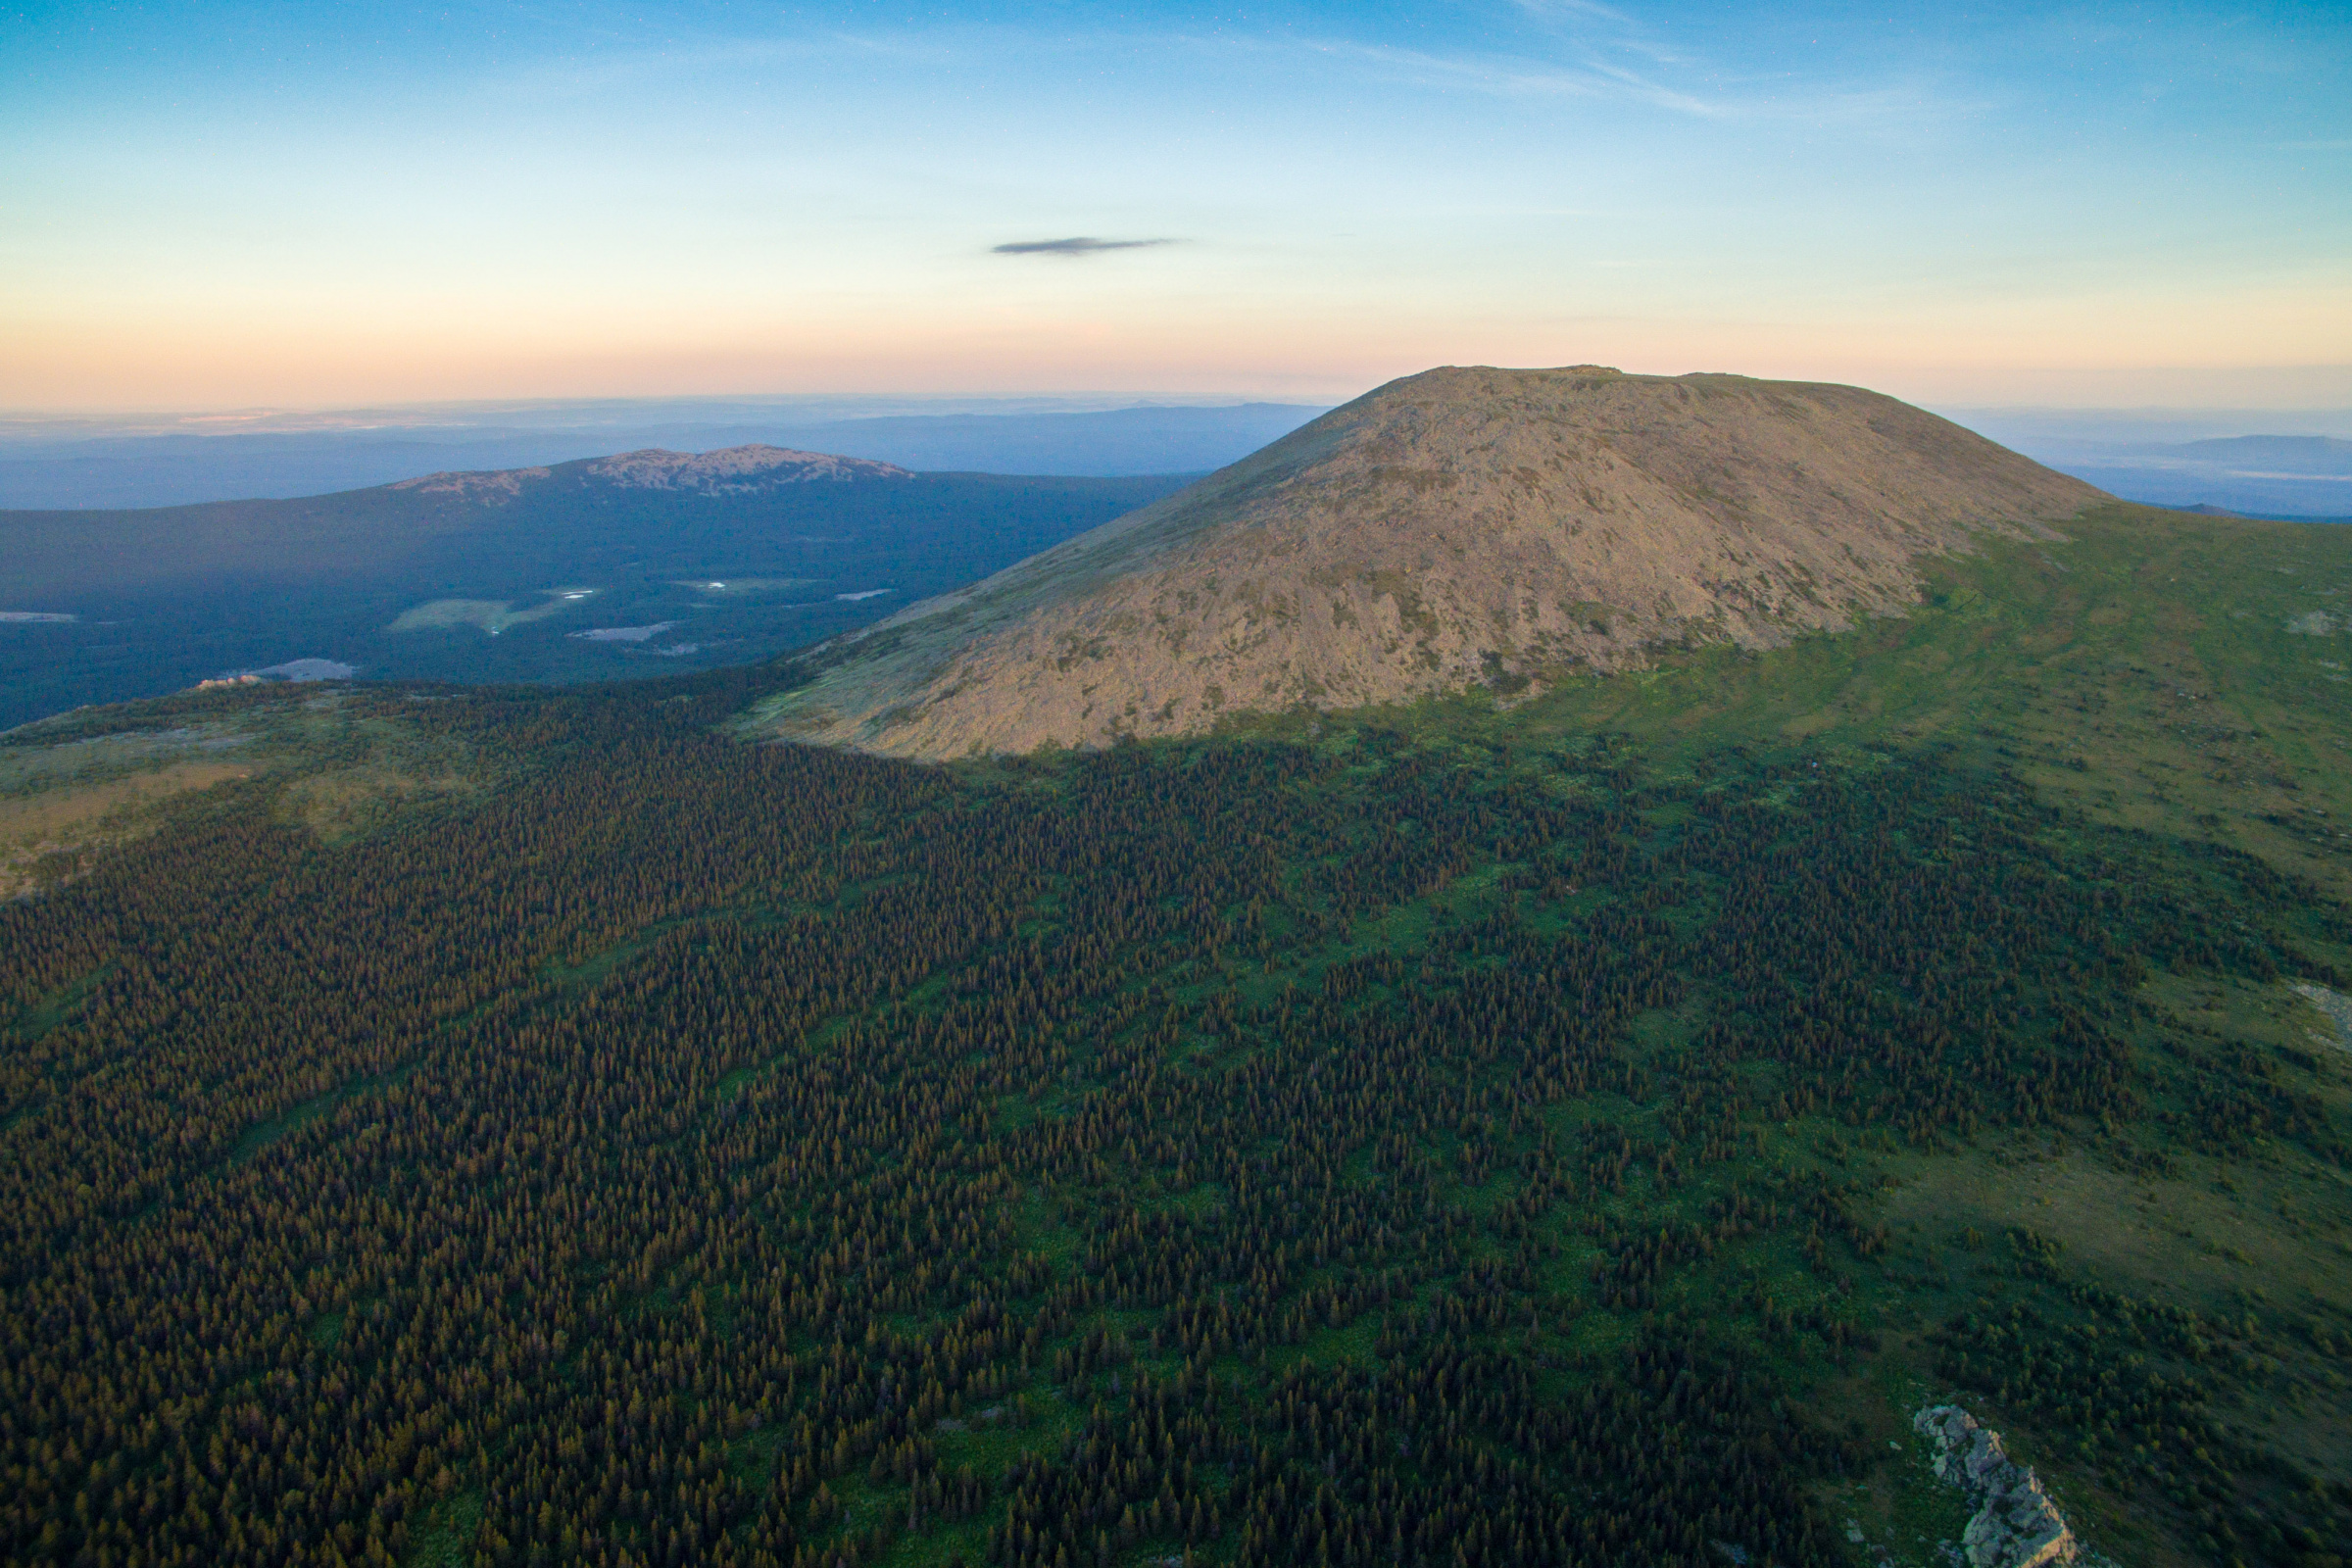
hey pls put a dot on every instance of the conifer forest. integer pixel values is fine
(1361, 1148)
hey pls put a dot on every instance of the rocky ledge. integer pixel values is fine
(2015, 1525)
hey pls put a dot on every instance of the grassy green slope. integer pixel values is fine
(2161, 670)
(1923, 1011)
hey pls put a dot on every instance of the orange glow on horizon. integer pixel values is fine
(2295, 342)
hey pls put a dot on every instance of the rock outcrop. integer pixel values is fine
(732, 470)
(729, 470)
(490, 485)
(1462, 528)
(2015, 1525)
(2334, 1006)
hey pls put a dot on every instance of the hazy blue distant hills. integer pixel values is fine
(60, 464)
(2258, 475)
(2188, 458)
(647, 562)
(2321, 455)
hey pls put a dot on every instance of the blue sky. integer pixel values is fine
(211, 206)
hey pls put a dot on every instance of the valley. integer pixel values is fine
(487, 578)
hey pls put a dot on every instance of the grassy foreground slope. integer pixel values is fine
(509, 1126)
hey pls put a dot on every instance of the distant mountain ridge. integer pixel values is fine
(734, 469)
(2287, 474)
(729, 470)
(1460, 527)
(2321, 455)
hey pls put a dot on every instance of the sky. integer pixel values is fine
(269, 203)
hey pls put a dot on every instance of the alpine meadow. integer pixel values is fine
(1557, 968)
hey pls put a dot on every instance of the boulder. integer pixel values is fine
(2015, 1525)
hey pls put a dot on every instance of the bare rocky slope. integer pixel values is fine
(1460, 526)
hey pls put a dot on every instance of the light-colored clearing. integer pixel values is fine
(30, 769)
(350, 802)
(62, 821)
(492, 616)
(624, 634)
(741, 585)
(307, 670)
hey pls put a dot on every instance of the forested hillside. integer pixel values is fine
(504, 1127)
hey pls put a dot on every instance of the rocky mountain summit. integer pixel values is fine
(2015, 1525)
(734, 469)
(729, 470)
(1460, 527)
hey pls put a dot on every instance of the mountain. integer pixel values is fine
(1461, 526)
(587, 570)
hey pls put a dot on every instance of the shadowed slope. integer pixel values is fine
(1459, 527)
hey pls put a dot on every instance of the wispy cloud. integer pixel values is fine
(1515, 77)
(1575, 9)
(1605, 26)
(1578, 49)
(1908, 101)
(626, 61)
(1076, 245)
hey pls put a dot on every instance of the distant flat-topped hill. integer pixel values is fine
(1460, 526)
(730, 470)
(354, 531)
